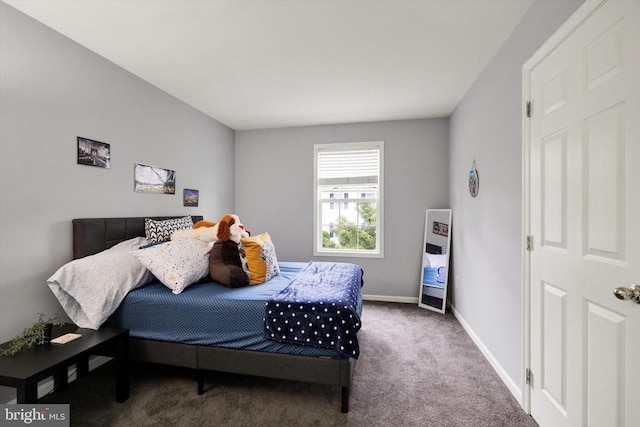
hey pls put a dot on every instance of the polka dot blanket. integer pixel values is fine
(318, 308)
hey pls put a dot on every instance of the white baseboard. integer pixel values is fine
(506, 379)
(388, 298)
(46, 386)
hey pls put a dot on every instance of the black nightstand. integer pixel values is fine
(26, 368)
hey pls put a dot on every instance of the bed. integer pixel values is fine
(246, 349)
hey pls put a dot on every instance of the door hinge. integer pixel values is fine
(528, 108)
(527, 376)
(529, 243)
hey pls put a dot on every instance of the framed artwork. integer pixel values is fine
(190, 197)
(94, 153)
(152, 179)
(440, 228)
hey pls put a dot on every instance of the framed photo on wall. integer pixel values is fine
(94, 153)
(152, 179)
(190, 197)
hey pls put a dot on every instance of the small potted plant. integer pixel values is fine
(38, 333)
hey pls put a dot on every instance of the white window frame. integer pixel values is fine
(318, 250)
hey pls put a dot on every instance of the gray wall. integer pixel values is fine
(51, 91)
(487, 230)
(274, 192)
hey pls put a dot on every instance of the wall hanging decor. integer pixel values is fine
(190, 197)
(152, 179)
(93, 153)
(474, 181)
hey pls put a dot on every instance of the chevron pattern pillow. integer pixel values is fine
(160, 231)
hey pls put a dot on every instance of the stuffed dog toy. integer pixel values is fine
(225, 258)
(205, 231)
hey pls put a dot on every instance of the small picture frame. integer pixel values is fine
(190, 197)
(440, 228)
(94, 153)
(152, 179)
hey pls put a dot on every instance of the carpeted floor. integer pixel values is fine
(416, 368)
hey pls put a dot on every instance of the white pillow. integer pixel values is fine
(91, 288)
(177, 263)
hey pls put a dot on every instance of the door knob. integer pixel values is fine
(632, 293)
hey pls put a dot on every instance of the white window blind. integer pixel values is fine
(339, 167)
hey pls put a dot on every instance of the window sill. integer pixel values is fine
(348, 254)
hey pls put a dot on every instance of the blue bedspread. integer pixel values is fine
(209, 314)
(318, 308)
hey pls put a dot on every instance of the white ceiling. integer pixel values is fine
(253, 64)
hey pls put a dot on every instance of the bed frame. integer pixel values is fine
(93, 235)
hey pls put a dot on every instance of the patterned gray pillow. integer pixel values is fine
(160, 231)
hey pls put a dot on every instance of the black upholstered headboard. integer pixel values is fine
(93, 235)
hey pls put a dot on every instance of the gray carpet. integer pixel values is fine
(416, 368)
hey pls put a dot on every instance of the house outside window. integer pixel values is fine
(351, 225)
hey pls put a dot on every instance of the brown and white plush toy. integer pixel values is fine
(225, 260)
(205, 231)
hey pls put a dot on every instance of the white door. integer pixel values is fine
(583, 196)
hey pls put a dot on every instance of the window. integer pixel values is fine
(351, 225)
